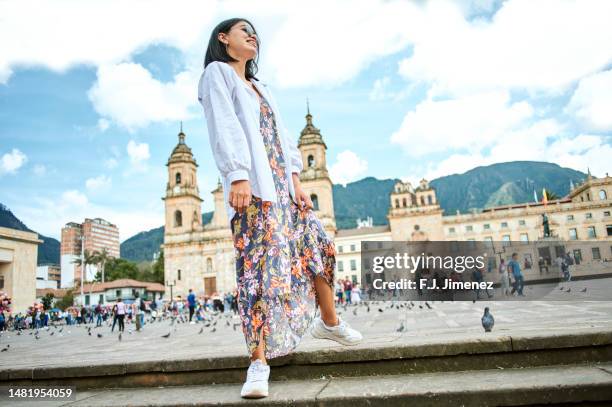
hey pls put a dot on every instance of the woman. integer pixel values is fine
(504, 281)
(284, 259)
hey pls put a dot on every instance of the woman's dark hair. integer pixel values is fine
(216, 50)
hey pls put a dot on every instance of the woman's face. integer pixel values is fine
(241, 40)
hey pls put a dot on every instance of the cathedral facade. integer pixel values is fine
(201, 256)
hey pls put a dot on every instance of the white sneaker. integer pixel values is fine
(341, 333)
(256, 385)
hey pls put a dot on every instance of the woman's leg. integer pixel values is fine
(326, 301)
(259, 353)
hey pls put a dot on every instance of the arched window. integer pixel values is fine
(178, 219)
(397, 203)
(429, 200)
(311, 161)
(404, 203)
(315, 202)
(209, 267)
(178, 178)
(179, 274)
(602, 195)
(588, 196)
(422, 200)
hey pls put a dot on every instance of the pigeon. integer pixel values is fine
(420, 306)
(167, 335)
(227, 323)
(487, 320)
(5, 349)
(214, 330)
(51, 334)
(583, 290)
(99, 335)
(401, 327)
(355, 312)
(561, 289)
(201, 330)
(368, 308)
(568, 290)
(61, 329)
(427, 304)
(19, 332)
(37, 337)
(380, 310)
(235, 325)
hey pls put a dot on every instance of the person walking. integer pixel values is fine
(191, 300)
(284, 259)
(515, 269)
(121, 311)
(504, 279)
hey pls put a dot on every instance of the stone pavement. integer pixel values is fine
(443, 322)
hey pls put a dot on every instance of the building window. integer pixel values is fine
(366, 264)
(506, 240)
(603, 195)
(340, 266)
(311, 161)
(570, 217)
(606, 213)
(1, 282)
(588, 196)
(353, 248)
(608, 229)
(178, 219)
(524, 238)
(469, 228)
(404, 203)
(353, 265)
(178, 178)
(591, 232)
(596, 253)
(504, 224)
(379, 244)
(422, 200)
(315, 201)
(101, 299)
(340, 249)
(522, 222)
(573, 234)
(589, 215)
(397, 203)
(429, 200)
(179, 274)
(487, 226)
(354, 278)
(417, 227)
(578, 256)
(117, 293)
(451, 230)
(488, 241)
(87, 299)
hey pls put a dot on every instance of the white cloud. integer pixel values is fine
(127, 94)
(541, 45)
(39, 170)
(73, 199)
(472, 122)
(103, 124)
(348, 167)
(101, 182)
(138, 152)
(11, 162)
(379, 90)
(592, 101)
(111, 163)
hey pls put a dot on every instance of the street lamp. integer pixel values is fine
(171, 285)
(82, 239)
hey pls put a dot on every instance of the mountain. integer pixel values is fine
(359, 199)
(48, 251)
(144, 245)
(502, 184)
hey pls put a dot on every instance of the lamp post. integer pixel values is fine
(82, 239)
(171, 285)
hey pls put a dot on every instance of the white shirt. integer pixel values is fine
(232, 113)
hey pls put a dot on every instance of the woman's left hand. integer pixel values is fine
(302, 198)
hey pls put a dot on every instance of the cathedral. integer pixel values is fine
(201, 257)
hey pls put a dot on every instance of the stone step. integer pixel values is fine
(403, 355)
(585, 384)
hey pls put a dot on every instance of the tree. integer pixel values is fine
(101, 258)
(551, 196)
(67, 301)
(47, 301)
(90, 258)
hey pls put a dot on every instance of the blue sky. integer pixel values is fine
(399, 89)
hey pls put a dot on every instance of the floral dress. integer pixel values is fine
(280, 249)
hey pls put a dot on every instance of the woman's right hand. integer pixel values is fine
(240, 195)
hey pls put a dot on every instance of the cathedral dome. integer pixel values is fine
(181, 153)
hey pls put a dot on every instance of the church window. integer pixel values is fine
(404, 202)
(179, 274)
(311, 161)
(422, 200)
(178, 219)
(397, 203)
(603, 195)
(429, 200)
(315, 201)
(178, 178)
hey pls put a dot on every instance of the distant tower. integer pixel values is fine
(314, 177)
(182, 200)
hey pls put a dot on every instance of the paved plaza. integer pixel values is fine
(447, 321)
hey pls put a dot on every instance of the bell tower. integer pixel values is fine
(182, 200)
(314, 177)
